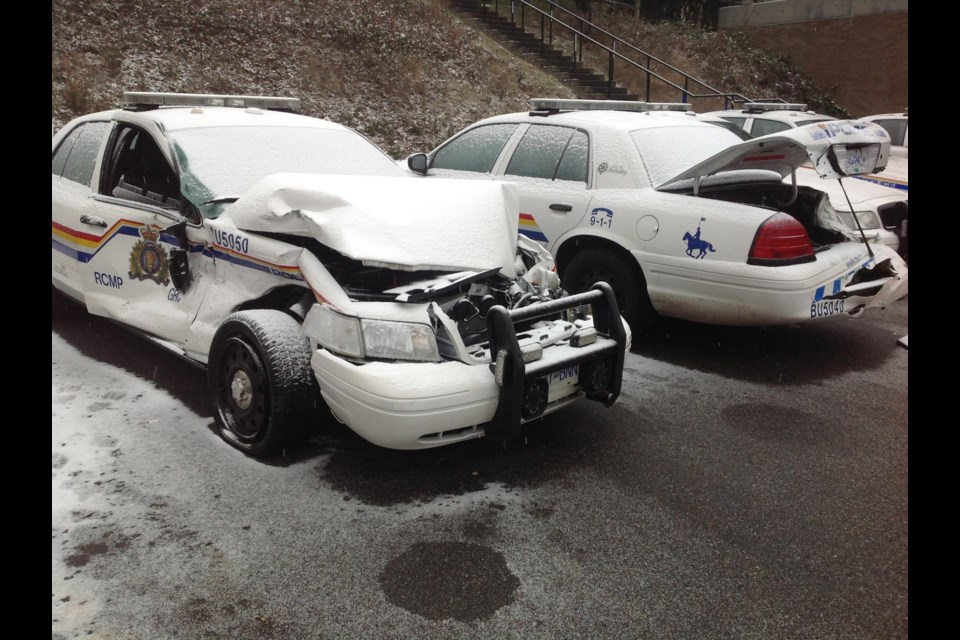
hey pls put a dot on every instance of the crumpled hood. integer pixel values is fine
(785, 151)
(398, 223)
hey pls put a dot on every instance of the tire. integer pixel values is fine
(594, 265)
(264, 394)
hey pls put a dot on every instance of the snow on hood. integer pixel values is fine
(392, 222)
(785, 151)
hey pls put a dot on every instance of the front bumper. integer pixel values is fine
(419, 405)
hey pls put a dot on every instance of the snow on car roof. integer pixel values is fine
(174, 118)
(191, 117)
(616, 120)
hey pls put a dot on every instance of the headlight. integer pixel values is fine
(333, 330)
(358, 337)
(868, 219)
(399, 340)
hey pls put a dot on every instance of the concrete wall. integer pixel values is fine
(756, 14)
(855, 48)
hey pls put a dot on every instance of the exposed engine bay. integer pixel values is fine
(458, 302)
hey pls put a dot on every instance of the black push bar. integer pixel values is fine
(608, 351)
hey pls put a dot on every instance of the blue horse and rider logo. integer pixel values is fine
(694, 243)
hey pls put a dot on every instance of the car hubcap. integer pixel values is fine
(243, 399)
(241, 389)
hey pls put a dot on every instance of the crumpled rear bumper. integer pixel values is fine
(875, 284)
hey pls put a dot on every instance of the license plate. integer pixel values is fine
(823, 308)
(562, 383)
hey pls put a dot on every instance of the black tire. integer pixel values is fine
(595, 264)
(264, 394)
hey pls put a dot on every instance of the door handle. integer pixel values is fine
(561, 207)
(95, 221)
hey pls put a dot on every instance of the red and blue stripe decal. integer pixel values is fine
(83, 247)
(291, 272)
(530, 228)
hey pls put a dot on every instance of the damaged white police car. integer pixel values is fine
(293, 258)
(681, 217)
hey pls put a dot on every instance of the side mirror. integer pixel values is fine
(179, 269)
(418, 163)
(178, 262)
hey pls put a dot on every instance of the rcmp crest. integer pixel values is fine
(148, 260)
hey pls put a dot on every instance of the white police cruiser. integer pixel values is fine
(681, 217)
(288, 253)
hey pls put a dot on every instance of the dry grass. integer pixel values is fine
(408, 73)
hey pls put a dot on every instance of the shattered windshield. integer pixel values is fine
(224, 162)
(668, 151)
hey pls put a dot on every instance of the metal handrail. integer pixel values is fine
(579, 36)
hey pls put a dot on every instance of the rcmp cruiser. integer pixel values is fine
(293, 258)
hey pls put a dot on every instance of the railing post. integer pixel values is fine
(610, 78)
(541, 34)
(648, 78)
(551, 25)
(683, 96)
(581, 42)
(523, 15)
(513, 22)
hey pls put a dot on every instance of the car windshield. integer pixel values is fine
(801, 123)
(224, 162)
(668, 151)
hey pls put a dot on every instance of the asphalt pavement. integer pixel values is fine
(749, 483)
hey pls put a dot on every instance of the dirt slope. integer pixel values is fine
(407, 73)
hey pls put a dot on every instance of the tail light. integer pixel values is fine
(781, 240)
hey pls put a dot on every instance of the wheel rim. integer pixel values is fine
(243, 395)
(595, 275)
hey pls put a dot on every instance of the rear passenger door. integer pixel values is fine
(550, 164)
(73, 187)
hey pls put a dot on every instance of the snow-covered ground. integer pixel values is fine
(737, 489)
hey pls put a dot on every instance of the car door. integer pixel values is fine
(550, 165)
(139, 237)
(74, 162)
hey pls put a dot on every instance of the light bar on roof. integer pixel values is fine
(555, 104)
(148, 100)
(758, 107)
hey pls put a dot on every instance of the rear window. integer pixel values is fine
(668, 151)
